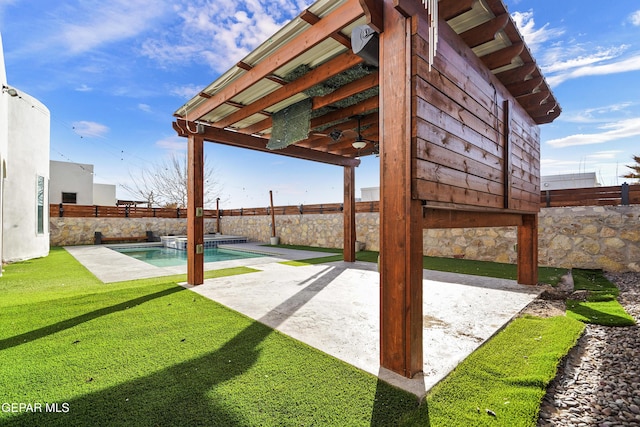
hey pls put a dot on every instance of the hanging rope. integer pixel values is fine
(432, 8)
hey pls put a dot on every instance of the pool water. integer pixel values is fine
(168, 257)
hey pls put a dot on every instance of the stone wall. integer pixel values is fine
(578, 237)
(68, 231)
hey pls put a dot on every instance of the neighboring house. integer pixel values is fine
(568, 181)
(370, 194)
(73, 183)
(24, 173)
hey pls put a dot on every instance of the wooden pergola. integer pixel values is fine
(457, 134)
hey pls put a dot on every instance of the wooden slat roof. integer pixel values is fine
(242, 100)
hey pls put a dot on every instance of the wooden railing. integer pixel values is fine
(70, 210)
(624, 194)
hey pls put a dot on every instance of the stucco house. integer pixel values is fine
(72, 183)
(24, 174)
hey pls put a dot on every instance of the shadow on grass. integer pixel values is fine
(30, 336)
(388, 399)
(585, 312)
(199, 391)
(174, 396)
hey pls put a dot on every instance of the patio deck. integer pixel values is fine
(335, 307)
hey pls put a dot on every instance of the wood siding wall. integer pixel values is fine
(465, 152)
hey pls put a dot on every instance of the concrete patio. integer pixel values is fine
(335, 307)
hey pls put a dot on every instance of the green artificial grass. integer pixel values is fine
(601, 306)
(149, 352)
(503, 382)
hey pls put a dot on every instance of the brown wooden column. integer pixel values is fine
(528, 250)
(195, 217)
(349, 214)
(400, 215)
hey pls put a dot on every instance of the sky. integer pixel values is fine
(113, 73)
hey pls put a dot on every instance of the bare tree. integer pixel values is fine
(635, 168)
(164, 184)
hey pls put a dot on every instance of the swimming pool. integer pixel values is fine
(168, 257)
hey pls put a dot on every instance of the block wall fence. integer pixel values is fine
(606, 237)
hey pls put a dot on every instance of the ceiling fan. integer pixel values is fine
(336, 134)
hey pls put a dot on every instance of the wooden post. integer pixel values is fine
(349, 215)
(400, 215)
(528, 250)
(218, 215)
(195, 217)
(273, 215)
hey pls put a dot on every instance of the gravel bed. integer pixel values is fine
(599, 381)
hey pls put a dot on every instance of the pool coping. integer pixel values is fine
(111, 266)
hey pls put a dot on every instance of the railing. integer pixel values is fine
(624, 195)
(70, 210)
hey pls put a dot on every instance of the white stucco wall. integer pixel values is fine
(104, 194)
(27, 157)
(69, 177)
(4, 141)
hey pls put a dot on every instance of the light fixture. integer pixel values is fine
(359, 144)
(11, 91)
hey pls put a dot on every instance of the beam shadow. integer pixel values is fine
(44, 331)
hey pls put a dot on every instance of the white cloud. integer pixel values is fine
(610, 132)
(596, 115)
(621, 66)
(144, 107)
(534, 37)
(84, 88)
(635, 18)
(90, 129)
(94, 23)
(604, 155)
(220, 33)
(186, 91)
(172, 143)
(559, 59)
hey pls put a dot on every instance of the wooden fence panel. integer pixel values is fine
(594, 196)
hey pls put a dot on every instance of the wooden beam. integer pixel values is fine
(485, 32)
(319, 74)
(334, 21)
(502, 57)
(446, 9)
(349, 215)
(373, 12)
(195, 206)
(546, 113)
(524, 87)
(528, 250)
(359, 108)
(533, 100)
(350, 89)
(450, 9)
(312, 19)
(518, 74)
(400, 215)
(237, 139)
(443, 218)
(506, 153)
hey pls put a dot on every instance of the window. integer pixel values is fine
(69, 197)
(40, 203)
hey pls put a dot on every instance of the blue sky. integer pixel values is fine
(112, 74)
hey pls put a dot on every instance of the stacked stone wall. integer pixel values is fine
(575, 237)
